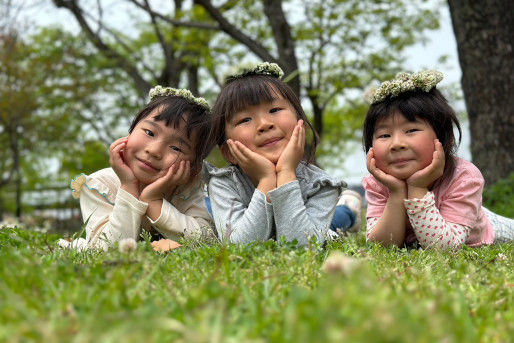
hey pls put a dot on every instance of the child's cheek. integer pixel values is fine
(426, 156)
(380, 159)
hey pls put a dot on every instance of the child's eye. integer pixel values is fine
(384, 135)
(176, 148)
(274, 110)
(243, 120)
(412, 130)
(148, 132)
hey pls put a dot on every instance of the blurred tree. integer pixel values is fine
(484, 34)
(51, 105)
(329, 49)
(333, 49)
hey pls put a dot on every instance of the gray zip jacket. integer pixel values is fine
(298, 210)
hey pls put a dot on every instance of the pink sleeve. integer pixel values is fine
(376, 196)
(430, 228)
(462, 201)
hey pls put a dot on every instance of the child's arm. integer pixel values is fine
(294, 218)
(185, 217)
(189, 218)
(430, 228)
(258, 168)
(233, 219)
(129, 183)
(390, 227)
(299, 220)
(164, 187)
(108, 221)
(291, 156)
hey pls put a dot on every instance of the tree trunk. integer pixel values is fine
(484, 32)
(284, 41)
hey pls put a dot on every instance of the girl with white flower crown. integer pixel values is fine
(270, 190)
(154, 181)
(419, 192)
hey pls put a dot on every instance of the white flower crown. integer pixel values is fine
(405, 82)
(263, 68)
(183, 93)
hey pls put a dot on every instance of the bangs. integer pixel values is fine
(248, 91)
(177, 112)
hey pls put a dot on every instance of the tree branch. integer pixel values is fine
(141, 84)
(124, 45)
(283, 39)
(191, 24)
(235, 33)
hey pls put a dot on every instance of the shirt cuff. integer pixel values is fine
(129, 200)
(415, 205)
(283, 190)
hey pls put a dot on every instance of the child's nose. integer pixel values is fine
(265, 124)
(154, 149)
(397, 143)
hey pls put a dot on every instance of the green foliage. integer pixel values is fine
(260, 292)
(500, 197)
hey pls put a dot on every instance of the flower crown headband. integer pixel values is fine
(183, 93)
(263, 68)
(405, 82)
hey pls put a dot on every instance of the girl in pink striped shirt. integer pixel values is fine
(418, 190)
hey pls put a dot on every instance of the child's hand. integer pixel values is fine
(392, 183)
(164, 187)
(425, 177)
(293, 152)
(127, 177)
(254, 165)
(164, 245)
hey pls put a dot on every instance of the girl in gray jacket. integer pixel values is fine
(270, 190)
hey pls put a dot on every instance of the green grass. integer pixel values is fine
(262, 292)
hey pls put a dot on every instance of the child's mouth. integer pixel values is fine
(271, 142)
(400, 163)
(147, 166)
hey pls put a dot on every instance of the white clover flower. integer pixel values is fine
(180, 92)
(501, 257)
(337, 262)
(252, 68)
(127, 245)
(405, 82)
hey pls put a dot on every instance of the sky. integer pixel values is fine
(419, 57)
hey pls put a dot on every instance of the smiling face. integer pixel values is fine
(402, 147)
(153, 147)
(265, 128)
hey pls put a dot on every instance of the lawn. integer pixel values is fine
(264, 292)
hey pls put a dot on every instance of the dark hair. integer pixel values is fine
(197, 119)
(252, 90)
(431, 106)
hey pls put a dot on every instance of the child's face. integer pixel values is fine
(265, 128)
(402, 147)
(153, 147)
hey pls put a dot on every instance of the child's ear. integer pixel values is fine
(225, 151)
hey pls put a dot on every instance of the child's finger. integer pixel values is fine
(122, 140)
(294, 136)
(171, 171)
(115, 154)
(243, 153)
(185, 173)
(302, 136)
(179, 175)
(369, 157)
(235, 151)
